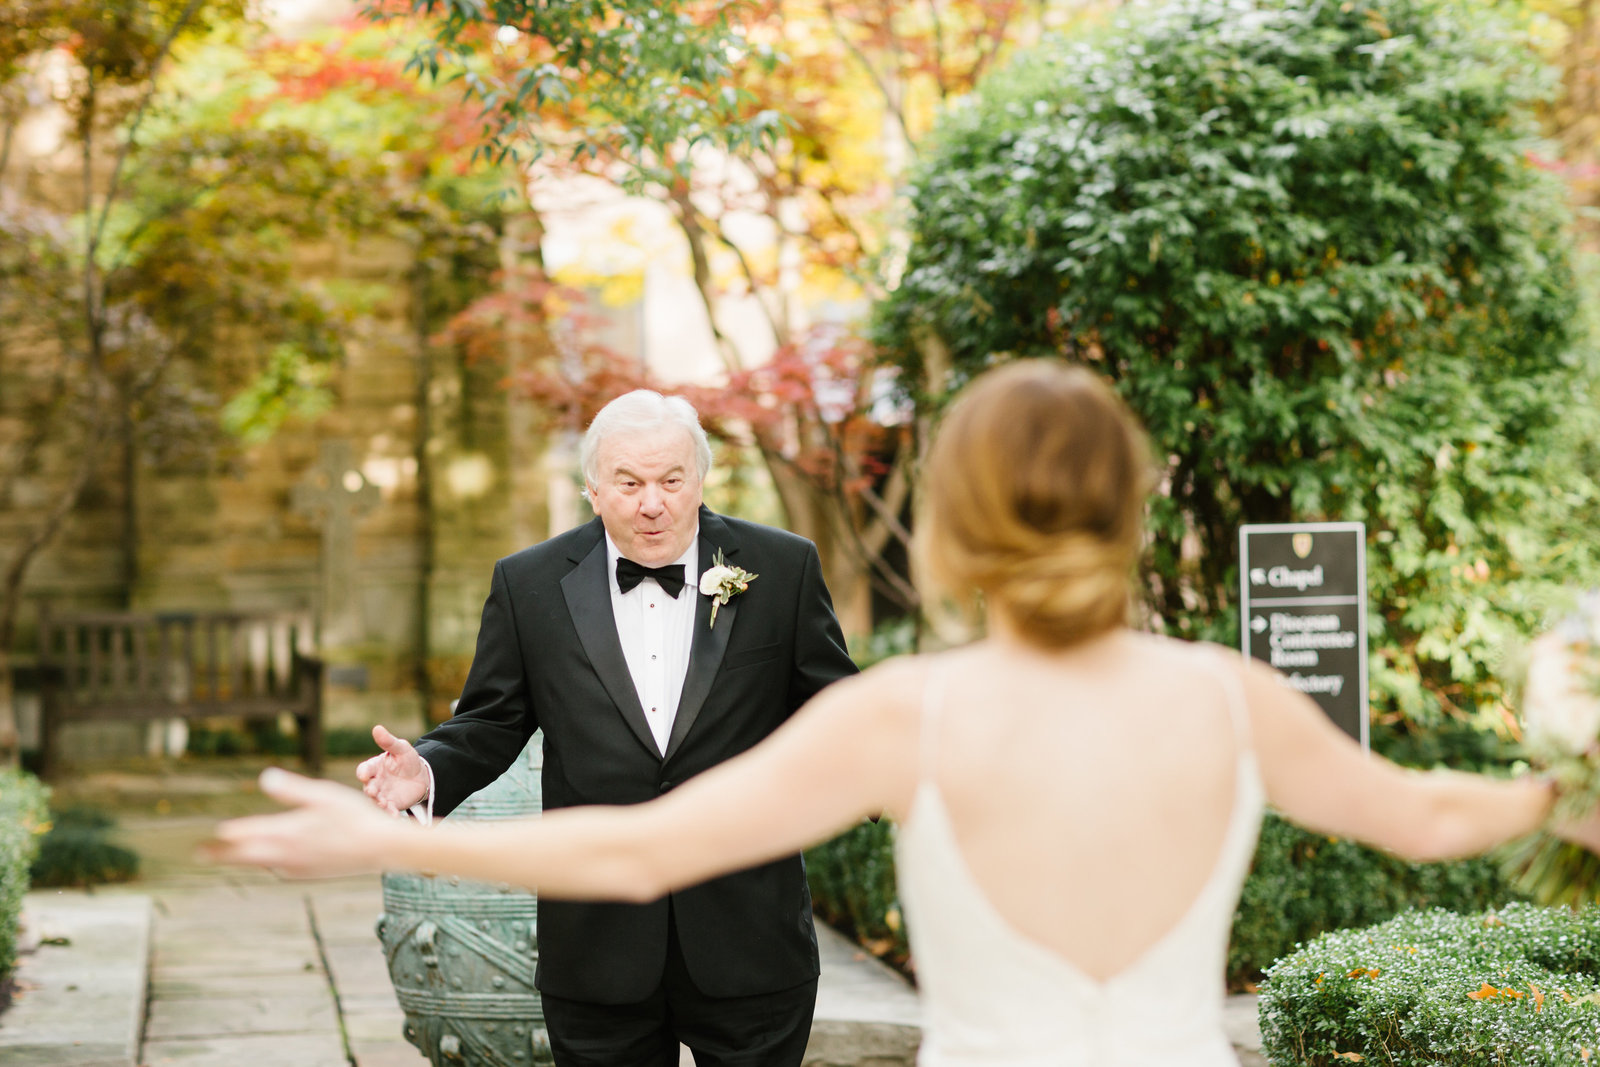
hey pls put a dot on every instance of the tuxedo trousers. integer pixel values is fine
(765, 1030)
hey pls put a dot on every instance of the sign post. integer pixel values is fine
(1303, 600)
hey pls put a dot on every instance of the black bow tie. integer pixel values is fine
(669, 578)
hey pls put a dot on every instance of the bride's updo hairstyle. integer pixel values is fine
(1036, 488)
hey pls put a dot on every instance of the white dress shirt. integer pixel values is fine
(657, 635)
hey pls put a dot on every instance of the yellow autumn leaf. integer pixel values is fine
(1538, 998)
(1484, 992)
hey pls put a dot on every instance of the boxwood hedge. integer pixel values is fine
(1518, 987)
(1302, 885)
(23, 820)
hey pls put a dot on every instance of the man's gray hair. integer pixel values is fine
(642, 409)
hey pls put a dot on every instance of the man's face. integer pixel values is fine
(648, 492)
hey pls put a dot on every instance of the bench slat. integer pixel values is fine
(138, 667)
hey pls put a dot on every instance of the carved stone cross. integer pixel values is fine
(334, 493)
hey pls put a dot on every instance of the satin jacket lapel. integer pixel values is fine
(710, 643)
(588, 592)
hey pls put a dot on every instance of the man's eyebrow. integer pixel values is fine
(627, 472)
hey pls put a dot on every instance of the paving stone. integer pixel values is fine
(359, 970)
(83, 998)
(216, 961)
(1241, 1019)
(386, 1054)
(193, 1017)
(296, 983)
(376, 1026)
(857, 987)
(256, 1050)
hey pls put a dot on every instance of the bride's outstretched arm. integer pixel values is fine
(1318, 777)
(845, 755)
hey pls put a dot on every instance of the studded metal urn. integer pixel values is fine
(461, 953)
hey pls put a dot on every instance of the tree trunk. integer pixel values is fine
(130, 504)
(10, 740)
(16, 569)
(427, 550)
(814, 516)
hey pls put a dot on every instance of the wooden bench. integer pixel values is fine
(129, 667)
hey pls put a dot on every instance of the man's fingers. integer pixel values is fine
(389, 742)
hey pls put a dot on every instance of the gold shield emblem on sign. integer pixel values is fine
(1301, 543)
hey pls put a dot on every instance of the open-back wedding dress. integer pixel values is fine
(993, 997)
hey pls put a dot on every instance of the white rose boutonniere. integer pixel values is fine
(722, 583)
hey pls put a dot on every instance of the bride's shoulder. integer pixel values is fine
(897, 684)
(897, 675)
(1177, 651)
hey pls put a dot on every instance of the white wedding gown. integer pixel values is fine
(993, 997)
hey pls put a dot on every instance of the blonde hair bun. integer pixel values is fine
(1036, 489)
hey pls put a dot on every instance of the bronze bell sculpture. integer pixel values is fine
(461, 953)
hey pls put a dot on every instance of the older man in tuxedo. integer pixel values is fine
(602, 637)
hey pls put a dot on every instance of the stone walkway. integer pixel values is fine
(243, 968)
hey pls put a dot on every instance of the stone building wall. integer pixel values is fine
(230, 535)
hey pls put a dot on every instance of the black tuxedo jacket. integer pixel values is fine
(548, 657)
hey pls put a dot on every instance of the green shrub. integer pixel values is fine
(853, 889)
(1514, 987)
(23, 810)
(349, 741)
(1302, 885)
(264, 738)
(1305, 241)
(77, 851)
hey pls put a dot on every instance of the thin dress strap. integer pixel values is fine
(1233, 695)
(931, 706)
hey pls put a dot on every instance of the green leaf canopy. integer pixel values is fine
(1311, 243)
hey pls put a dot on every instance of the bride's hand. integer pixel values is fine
(331, 830)
(1584, 831)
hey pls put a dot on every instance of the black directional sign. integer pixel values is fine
(1303, 593)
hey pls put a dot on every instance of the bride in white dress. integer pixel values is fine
(1078, 802)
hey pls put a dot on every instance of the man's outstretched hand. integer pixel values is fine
(396, 779)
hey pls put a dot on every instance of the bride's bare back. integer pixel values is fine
(1089, 791)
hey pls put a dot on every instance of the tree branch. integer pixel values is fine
(997, 39)
(153, 80)
(756, 287)
(889, 100)
(17, 567)
(689, 222)
(938, 50)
